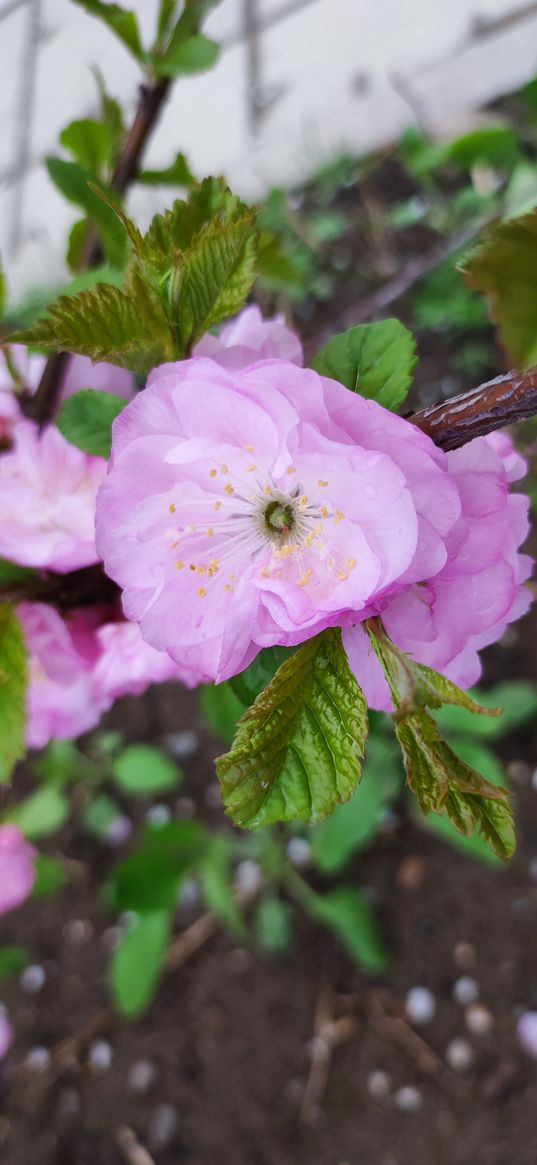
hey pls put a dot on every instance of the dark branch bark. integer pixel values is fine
(42, 405)
(502, 401)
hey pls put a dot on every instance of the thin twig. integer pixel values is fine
(328, 1032)
(130, 1147)
(42, 405)
(395, 1028)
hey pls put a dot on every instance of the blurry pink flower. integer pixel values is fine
(60, 700)
(47, 500)
(254, 507)
(444, 621)
(249, 338)
(6, 1034)
(17, 873)
(81, 373)
(127, 664)
(9, 414)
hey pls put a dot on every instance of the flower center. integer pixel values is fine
(279, 517)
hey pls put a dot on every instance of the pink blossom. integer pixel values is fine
(47, 500)
(445, 620)
(81, 373)
(251, 507)
(6, 1035)
(17, 873)
(249, 338)
(61, 703)
(127, 664)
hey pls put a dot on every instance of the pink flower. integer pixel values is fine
(81, 373)
(47, 500)
(444, 621)
(9, 414)
(62, 653)
(249, 338)
(127, 664)
(6, 1035)
(251, 507)
(17, 873)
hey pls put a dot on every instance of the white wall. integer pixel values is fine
(318, 75)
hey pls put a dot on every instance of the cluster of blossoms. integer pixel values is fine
(251, 502)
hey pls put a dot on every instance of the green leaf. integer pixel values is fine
(517, 700)
(217, 885)
(144, 770)
(137, 962)
(100, 815)
(297, 750)
(12, 691)
(215, 276)
(504, 268)
(76, 245)
(184, 57)
(40, 813)
(351, 826)
(221, 709)
(176, 174)
(149, 878)
(375, 360)
(60, 762)
(489, 145)
(10, 573)
(80, 186)
(85, 419)
(273, 925)
(90, 142)
(120, 20)
(249, 683)
(166, 14)
(106, 323)
(346, 912)
(13, 959)
(50, 876)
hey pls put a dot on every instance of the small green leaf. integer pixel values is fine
(352, 825)
(517, 700)
(346, 912)
(90, 142)
(297, 750)
(80, 187)
(375, 360)
(60, 762)
(504, 268)
(100, 815)
(144, 770)
(10, 573)
(40, 813)
(120, 20)
(472, 845)
(106, 323)
(166, 14)
(488, 145)
(249, 683)
(85, 419)
(12, 691)
(178, 173)
(13, 959)
(150, 877)
(221, 709)
(137, 962)
(186, 56)
(216, 274)
(50, 877)
(217, 885)
(273, 925)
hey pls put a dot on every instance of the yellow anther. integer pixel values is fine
(228, 489)
(267, 490)
(251, 468)
(330, 562)
(231, 577)
(171, 508)
(192, 566)
(209, 532)
(224, 469)
(201, 592)
(304, 578)
(322, 483)
(201, 569)
(303, 501)
(350, 563)
(323, 511)
(338, 517)
(213, 472)
(179, 565)
(249, 448)
(217, 505)
(291, 469)
(342, 574)
(228, 587)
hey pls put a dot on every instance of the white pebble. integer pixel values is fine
(32, 979)
(163, 1126)
(299, 852)
(142, 1076)
(182, 745)
(526, 1030)
(188, 895)
(213, 796)
(379, 1085)
(38, 1059)
(408, 1099)
(479, 1020)
(248, 876)
(466, 990)
(158, 815)
(459, 1055)
(420, 1005)
(119, 830)
(77, 931)
(534, 780)
(100, 1056)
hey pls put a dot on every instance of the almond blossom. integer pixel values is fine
(256, 506)
(249, 337)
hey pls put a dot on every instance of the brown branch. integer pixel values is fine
(41, 406)
(500, 402)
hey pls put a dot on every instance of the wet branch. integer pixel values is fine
(42, 405)
(494, 405)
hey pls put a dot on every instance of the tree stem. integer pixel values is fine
(500, 402)
(42, 405)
